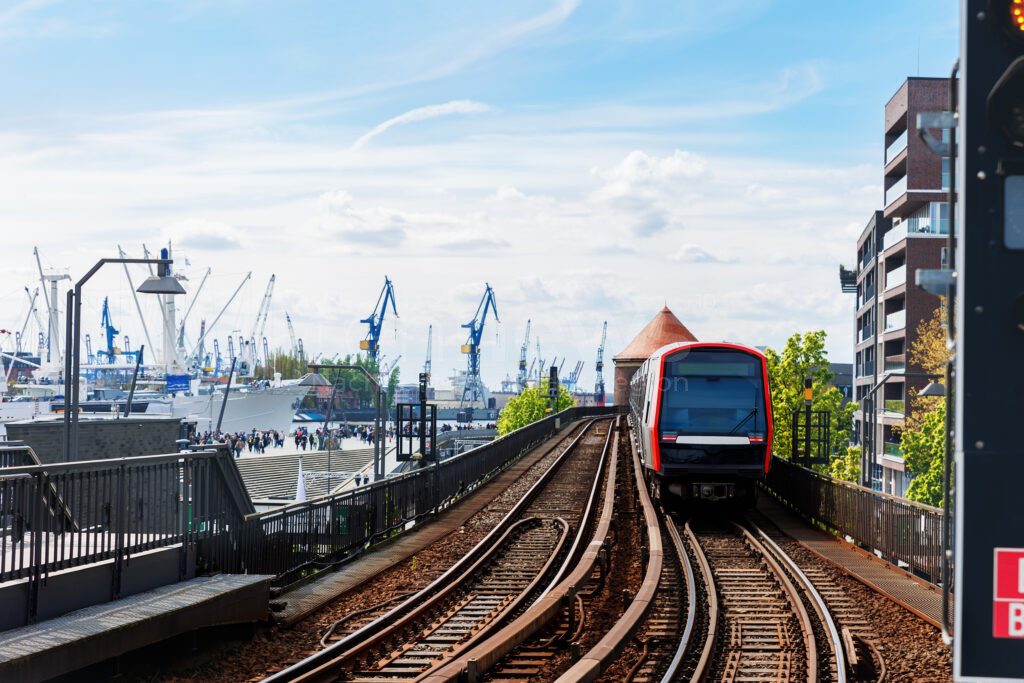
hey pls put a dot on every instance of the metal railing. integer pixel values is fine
(62, 515)
(901, 531)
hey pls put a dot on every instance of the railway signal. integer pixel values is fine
(989, 607)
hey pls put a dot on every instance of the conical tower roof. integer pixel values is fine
(664, 328)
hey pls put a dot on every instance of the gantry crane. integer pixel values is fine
(599, 385)
(430, 343)
(474, 387)
(376, 320)
(521, 378)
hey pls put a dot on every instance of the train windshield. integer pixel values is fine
(714, 392)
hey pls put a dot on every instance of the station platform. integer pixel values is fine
(913, 593)
(92, 634)
(303, 601)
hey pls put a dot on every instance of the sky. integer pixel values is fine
(591, 161)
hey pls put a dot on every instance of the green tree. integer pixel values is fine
(923, 450)
(289, 365)
(530, 406)
(846, 467)
(928, 353)
(805, 356)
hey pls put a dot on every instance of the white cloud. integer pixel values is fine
(641, 174)
(422, 114)
(691, 253)
(205, 235)
(507, 193)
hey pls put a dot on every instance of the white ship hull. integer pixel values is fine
(264, 409)
(21, 410)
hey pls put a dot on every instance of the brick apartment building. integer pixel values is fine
(909, 233)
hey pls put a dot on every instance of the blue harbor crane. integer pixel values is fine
(111, 352)
(599, 385)
(474, 387)
(217, 360)
(376, 320)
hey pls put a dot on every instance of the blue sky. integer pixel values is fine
(591, 160)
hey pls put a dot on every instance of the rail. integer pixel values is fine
(328, 663)
(901, 531)
(600, 656)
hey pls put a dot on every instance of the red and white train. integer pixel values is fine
(703, 419)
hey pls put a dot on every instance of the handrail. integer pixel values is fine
(108, 462)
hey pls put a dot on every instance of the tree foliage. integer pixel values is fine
(287, 364)
(530, 406)
(805, 356)
(928, 353)
(847, 466)
(923, 450)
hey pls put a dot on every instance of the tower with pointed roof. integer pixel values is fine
(664, 328)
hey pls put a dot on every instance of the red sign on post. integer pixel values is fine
(1008, 598)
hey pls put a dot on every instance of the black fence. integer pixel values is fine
(901, 531)
(58, 516)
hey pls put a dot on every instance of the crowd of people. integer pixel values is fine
(258, 441)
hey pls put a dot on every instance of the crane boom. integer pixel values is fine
(261, 315)
(371, 344)
(291, 333)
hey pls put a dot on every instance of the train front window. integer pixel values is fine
(712, 392)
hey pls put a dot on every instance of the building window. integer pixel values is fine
(945, 173)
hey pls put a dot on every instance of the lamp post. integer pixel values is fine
(870, 426)
(378, 465)
(161, 283)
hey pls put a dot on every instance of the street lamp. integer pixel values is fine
(161, 283)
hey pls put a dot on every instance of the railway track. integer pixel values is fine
(519, 561)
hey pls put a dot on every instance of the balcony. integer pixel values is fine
(867, 332)
(895, 406)
(895, 147)
(892, 450)
(897, 233)
(896, 277)
(869, 293)
(896, 363)
(865, 369)
(898, 189)
(896, 321)
(866, 260)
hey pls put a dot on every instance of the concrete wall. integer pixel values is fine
(99, 439)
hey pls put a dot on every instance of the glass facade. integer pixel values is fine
(932, 218)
